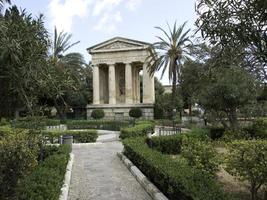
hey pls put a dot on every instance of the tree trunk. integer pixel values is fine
(233, 119)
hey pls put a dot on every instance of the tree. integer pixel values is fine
(247, 160)
(23, 54)
(238, 24)
(64, 73)
(170, 54)
(227, 90)
(2, 2)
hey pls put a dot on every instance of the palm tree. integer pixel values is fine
(169, 53)
(2, 2)
(67, 69)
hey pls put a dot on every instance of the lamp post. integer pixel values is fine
(173, 117)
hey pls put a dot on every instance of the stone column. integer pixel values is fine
(148, 86)
(128, 84)
(112, 84)
(96, 97)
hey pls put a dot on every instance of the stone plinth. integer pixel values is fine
(121, 111)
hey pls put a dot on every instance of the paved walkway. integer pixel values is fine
(98, 174)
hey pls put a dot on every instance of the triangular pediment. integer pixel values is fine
(118, 44)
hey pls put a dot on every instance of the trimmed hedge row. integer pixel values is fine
(172, 144)
(175, 178)
(84, 136)
(45, 182)
(38, 123)
(97, 124)
(138, 130)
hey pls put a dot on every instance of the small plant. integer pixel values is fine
(135, 113)
(247, 160)
(98, 114)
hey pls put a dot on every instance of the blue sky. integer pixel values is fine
(93, 21)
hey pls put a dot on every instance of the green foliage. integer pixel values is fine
(34, 122)
(230, 135)
(138, 130)
(258, 129)
(216, 132)
(83, 136)
(18, 157)
(23, 52)
(247, 160)
(228, 90)
(175, 178)
(3, 122)
(97, 114)
(234, 23)
(135, 112)
(200, 154)
(166, 144)
(45, 182)
(97, 124)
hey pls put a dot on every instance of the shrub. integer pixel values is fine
(200, 154)
(84, 136)
(97, 114)
(166, 144)
(34, 122)
(3, 122)
(230, 135)
(216, 132)
(247, 160)
(135, 112)
(97, 124)
(138, 130)
(258, 129)
(46, 180)
(175, 178)
(18, 157)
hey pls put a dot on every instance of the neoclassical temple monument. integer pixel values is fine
(119, 64)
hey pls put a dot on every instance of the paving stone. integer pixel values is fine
(99, 174)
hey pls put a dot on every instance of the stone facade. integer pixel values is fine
(117, 64)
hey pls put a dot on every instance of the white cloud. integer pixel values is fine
(132, 4)
(63, 12)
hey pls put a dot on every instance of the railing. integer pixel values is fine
(163, 131)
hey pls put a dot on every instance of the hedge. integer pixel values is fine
(98, 114)
(45, 182)
(138, 130)
(175, 178)
(35, 122)
(84, 136)
(97, 124)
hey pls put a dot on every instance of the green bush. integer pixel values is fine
(98, 114)
(47, 179)
(84, 136)
(34, 122)
(172, 144)
(166, 144)
(200, 154)
(3, 122)
(175, 178)
(231, 135)
(258, 129)
(97, 124)
(247, 160)
(135, 112)
(18, 157)
(138, 130)
(216, 132)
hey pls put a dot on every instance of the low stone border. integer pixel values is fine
(66, 184)
(150, 188)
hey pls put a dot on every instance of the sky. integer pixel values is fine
(94, 21)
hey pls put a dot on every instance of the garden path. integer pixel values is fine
(99, 174)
